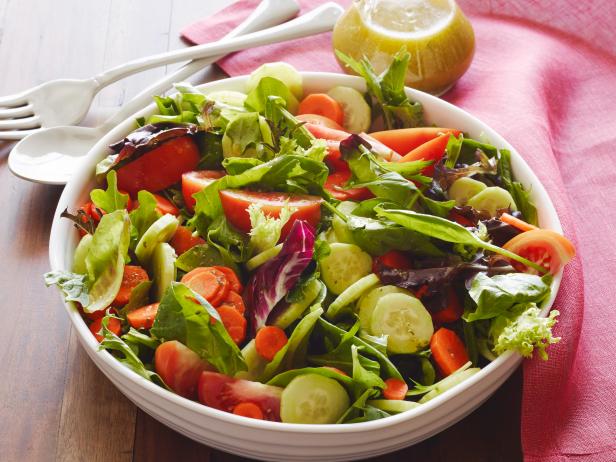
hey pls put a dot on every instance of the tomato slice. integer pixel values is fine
(224, 393)
(159, 168)
(545, 247)
(184, 240)
(179, 367)
(164, 206)
(335, 184)
(317, 119)
(326, 133)
(235, 205)
(193, 182)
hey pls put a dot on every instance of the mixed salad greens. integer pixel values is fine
(318, 258)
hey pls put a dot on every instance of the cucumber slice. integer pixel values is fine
(393, 406)
(262, 257)
(313, 399)
(404, 320)
(295, 310)
(345, 264)
(367, 303)
(161, 230)
(79, 259)
(235, 99)
(357, 114)
(464, 188)
(449, 382)
(492, 199)
(351, 294)
(284, 72)
(343, 234)
(163, 268)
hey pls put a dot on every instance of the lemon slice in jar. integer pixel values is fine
(436, 33)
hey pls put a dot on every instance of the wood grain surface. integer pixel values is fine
(54, 403)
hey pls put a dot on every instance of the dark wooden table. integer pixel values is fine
(54, 403)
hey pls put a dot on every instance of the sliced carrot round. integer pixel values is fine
(269, 341)
(234, 322)
(248, 410)
(235, 301)
(143, 318)
(323, 105)
(395, 389)
(236, 285)
(132, 277)
(448, 351)
(208, 282)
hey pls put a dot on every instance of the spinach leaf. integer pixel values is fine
(110, 199)
(185, 316)
(363, 379)
(361, 411)
(284, 378)
(498, 294)
(448, 231)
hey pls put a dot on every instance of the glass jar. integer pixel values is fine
(436, 33)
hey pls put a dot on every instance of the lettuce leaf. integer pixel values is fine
(498, 294)
(247, 135)
(524, 330)
(143, 216)
(110, 199)
(270, 87)
(74, 286)
(265, 230)
(185, 316)
(387, 90)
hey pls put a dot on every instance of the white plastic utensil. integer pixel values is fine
(51, 155)
(46, 105)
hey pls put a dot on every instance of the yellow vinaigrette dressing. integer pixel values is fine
(436, 33)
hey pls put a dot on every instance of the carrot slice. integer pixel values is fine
(395, 389)
(323, 105)
(516, 222)
(452, 312)
(235, 301)
(448, 351)
(236, 285)
(113, 325)
(208, 282)
(132, 277)
(143, 318)
(249, 410)
(269, 341)
(234, 322)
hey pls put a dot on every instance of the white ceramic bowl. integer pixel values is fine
(289, 442)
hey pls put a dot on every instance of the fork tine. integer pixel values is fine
(28, 122)
(13, 100)
(22, 111)
(16, 134)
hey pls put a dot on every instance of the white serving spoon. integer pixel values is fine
(50, 156)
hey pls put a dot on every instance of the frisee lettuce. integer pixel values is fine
(265, 230)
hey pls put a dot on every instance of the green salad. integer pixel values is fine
(309, 257)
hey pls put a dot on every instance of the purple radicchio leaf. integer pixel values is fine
(274, 279)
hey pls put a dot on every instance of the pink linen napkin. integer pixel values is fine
(551, 94)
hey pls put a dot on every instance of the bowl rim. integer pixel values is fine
(60, 251)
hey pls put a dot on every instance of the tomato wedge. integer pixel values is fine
(335, 185)
(193, 182)
(184, 240)
(235, 204)
(319, 120)
(545, 247)
(326, 133)
(405, 140)
(161, 167)
(179, 367)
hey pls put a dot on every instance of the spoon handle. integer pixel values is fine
(318, 20)
(265, 15)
